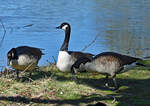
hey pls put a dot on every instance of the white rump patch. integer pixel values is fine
(128, 67)
(64, 27)
(64, 61)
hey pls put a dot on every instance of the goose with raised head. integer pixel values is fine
(67, 58)
(24, 58)
(107, 63)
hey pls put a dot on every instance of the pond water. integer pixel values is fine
(121, 26)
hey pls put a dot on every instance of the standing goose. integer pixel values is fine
(67, 58)
(24, 58)
(107, 63)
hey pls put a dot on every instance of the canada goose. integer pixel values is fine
(24, 58)
(107, 63)
(67, 58)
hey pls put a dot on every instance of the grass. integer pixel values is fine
(49, 86)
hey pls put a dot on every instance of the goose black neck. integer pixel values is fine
(65, 44)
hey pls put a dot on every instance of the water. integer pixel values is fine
(122, 26)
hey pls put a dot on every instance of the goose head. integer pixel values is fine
(65, 26)
(80, 65)
(12, 54)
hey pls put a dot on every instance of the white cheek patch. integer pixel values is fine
(13, 55)
(64, 27)
(13, 62)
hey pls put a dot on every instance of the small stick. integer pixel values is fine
(54, 59)
(48, 62)
(85, 47)
(26, 69)
(29, 25)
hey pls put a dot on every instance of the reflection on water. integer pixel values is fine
(128, 26)
(122, 25)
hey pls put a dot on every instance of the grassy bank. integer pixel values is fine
(49, 86)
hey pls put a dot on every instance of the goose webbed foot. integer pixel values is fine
(106, 85)
(73, 78)
(116, 87)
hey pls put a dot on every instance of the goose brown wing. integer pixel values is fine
(30, 51)
(77, 55)
(123, 59)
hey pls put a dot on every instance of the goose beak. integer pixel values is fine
(58, 27)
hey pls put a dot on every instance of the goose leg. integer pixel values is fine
(106, 79)
(115, 83)
(73, 74)
(17, 72)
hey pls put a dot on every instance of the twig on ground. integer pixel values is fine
(1, 42)
(29, 78)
